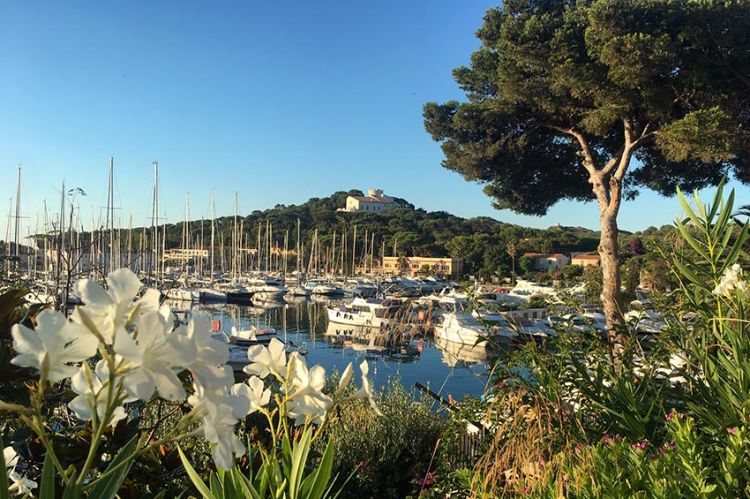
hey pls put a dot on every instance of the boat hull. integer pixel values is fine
(349, 318)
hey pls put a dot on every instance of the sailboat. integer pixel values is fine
(185, 292)
(210, 293)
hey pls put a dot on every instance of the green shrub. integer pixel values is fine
(686, 465)
(385, 456)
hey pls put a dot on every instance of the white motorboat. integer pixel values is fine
(266, 289)
(211, 295)
(183, 294)
(365, 312)
(590, 322)
(643, 319)
(40, 297)
(298, 291)
(251, 336)
(483, 311)
(525, 290)
(464, 328)
(360, 288)
(323, 288)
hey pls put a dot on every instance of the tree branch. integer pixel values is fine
(596, 176)
(588, 157)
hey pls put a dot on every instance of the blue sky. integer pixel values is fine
(279, 101)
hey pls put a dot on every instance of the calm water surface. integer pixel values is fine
(448, 370)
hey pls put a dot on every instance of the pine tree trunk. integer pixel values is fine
(608, 252)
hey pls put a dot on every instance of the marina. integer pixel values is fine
(447, 369)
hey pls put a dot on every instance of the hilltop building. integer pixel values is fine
(421, 265)
(374, 202)
(547, 261)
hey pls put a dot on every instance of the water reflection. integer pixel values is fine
(459, 354)
(401, 352)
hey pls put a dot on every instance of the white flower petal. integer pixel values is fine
(124, 284)
(346, 377)
(10, 456)
(168, 384)
(139, 383)
(26, 340)
(92, 293)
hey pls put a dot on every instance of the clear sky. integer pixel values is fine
(280, 101)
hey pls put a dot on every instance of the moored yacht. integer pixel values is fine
(211, 295)
(183, 293)
(464, 328)
(360, 288)
(251, 336)
(323, 288)
(297, 291)
(267, 289)
(365, 312)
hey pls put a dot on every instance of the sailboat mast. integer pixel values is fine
(155, 224)
(333, 254)
(46, 249)
(372, 248)
(213, 230)
(354, 252)
(110, 215)
(269, 257)
(235, 243)
(286, 247)
(299, 256)
(17, 231)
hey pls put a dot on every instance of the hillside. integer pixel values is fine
(480, 241)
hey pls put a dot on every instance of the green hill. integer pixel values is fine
(480, 241)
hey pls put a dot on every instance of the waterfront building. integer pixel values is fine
(423, 266)
(548, 261)
(585, 260)
(185, 254)
(374, 202)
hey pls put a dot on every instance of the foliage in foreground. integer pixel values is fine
(670, 421)
(95, 375)
(387, 456)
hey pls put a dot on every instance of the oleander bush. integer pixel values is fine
(120, 400)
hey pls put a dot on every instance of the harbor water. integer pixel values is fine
(449, 370)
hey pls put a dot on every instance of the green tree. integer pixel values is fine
(592, 278)
(526, 264)
(511, 248)
(562, 96)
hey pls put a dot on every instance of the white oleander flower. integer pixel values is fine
(19, 485)
(366, 391)
(306, 399)
(217, 425)
(152, 358)
(112, 309)
(93, 392)
(249, 397)
(10, 456)
(265, 361)
(731, 281)
(209, 364)
(55, 342)
(346, 378)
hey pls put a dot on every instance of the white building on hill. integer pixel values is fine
(374, 202)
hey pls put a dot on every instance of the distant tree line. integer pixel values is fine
(480, 241)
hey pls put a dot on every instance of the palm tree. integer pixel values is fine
(512, 250)
(403, 264)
